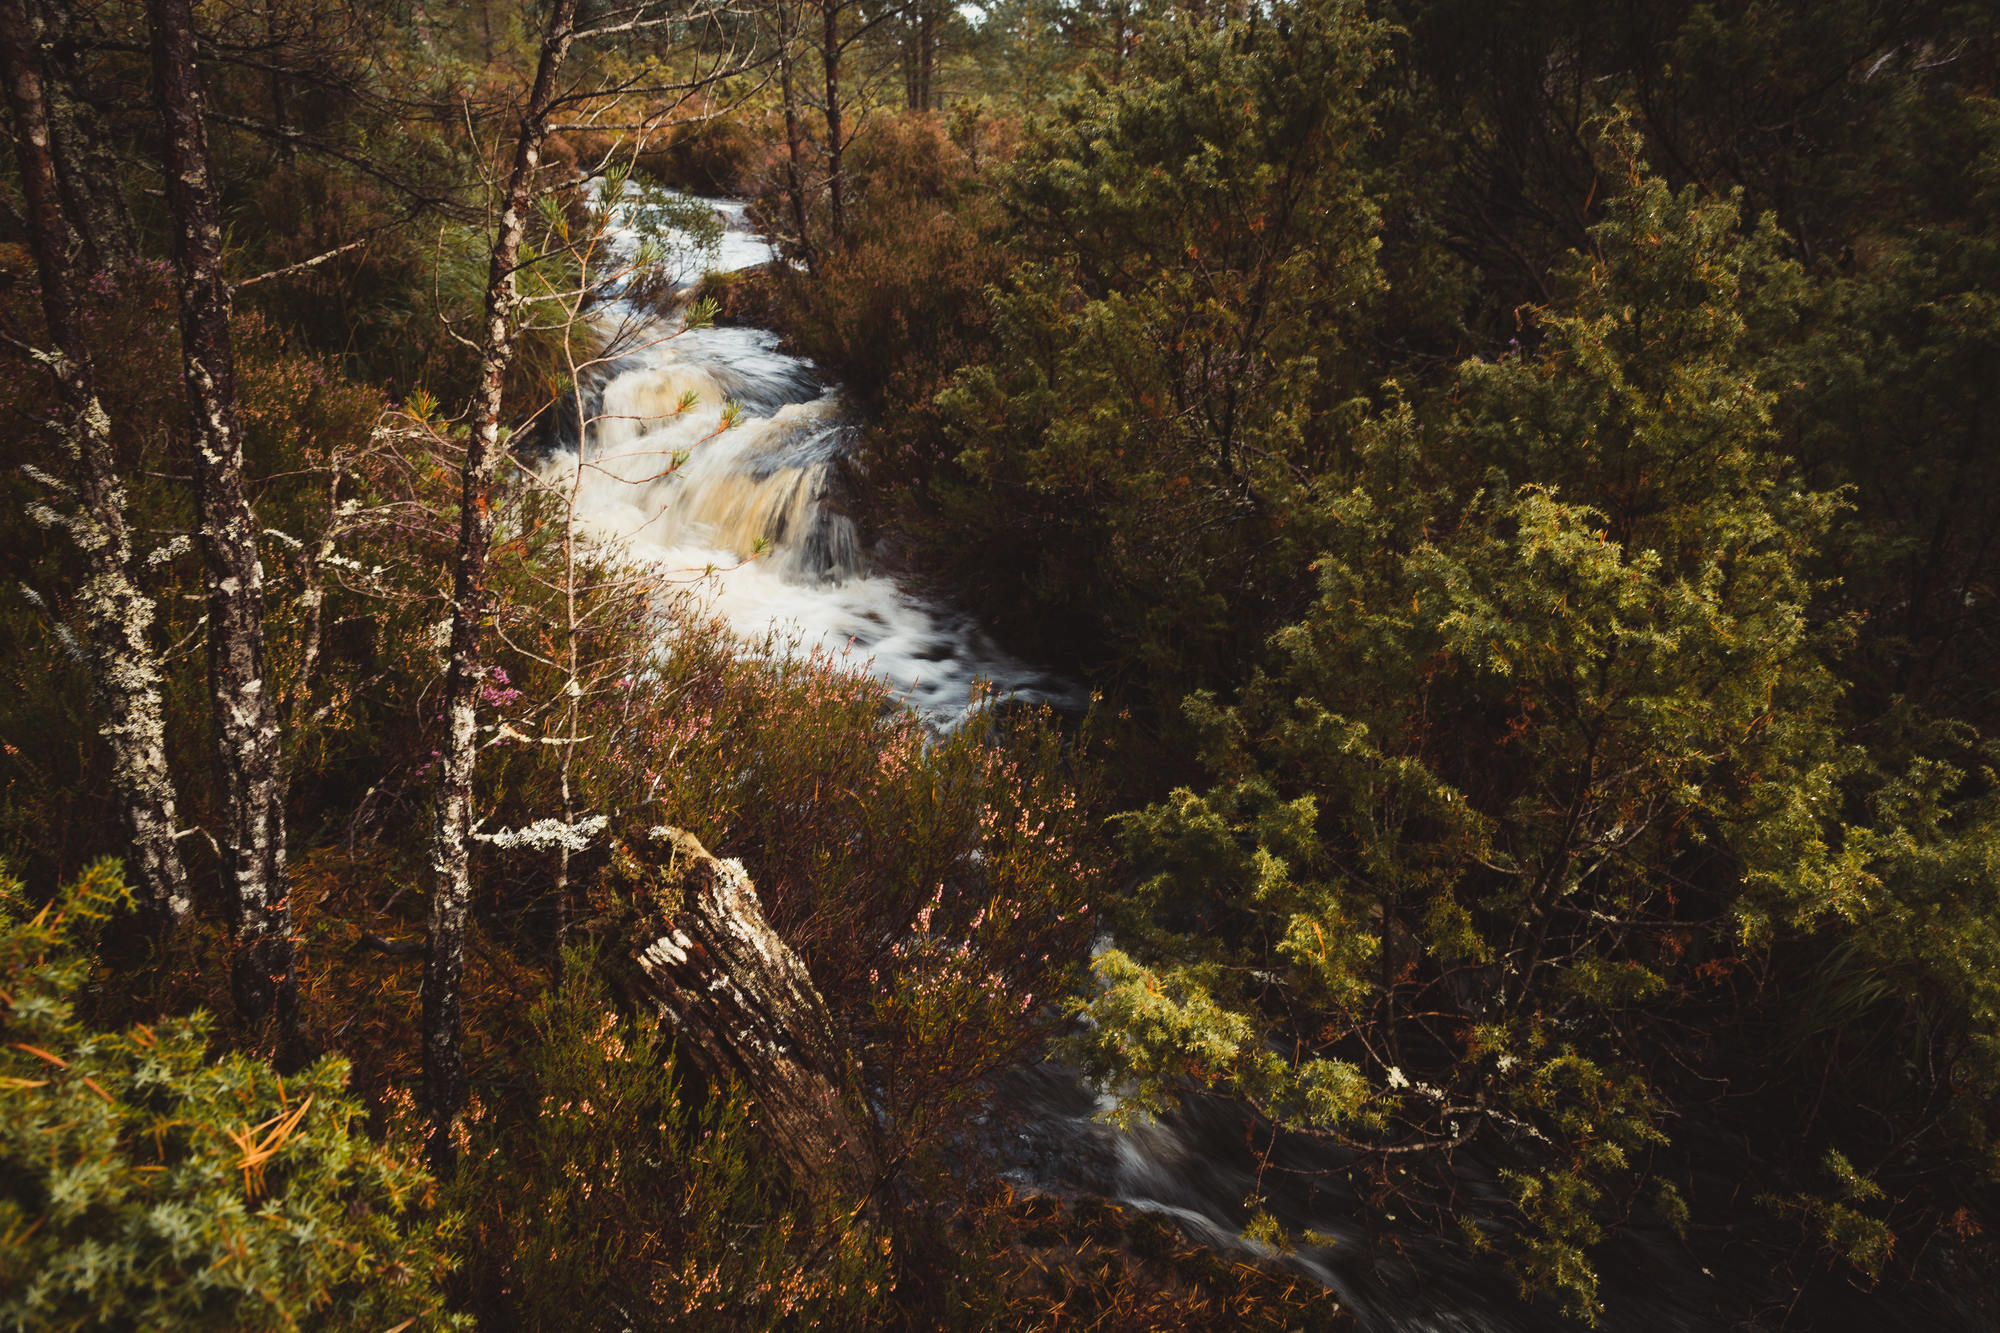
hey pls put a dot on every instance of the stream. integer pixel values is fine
(746, 520)
(745, 516)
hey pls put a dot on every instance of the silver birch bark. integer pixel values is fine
(451, 891)
(117, 613)
(249, 749)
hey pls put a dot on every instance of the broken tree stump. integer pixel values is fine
(743, 1005)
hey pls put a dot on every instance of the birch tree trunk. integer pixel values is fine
(86, 172)
(451, 894)
(117, 614)
(249, 753)
(744, 1006)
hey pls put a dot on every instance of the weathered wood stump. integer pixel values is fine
(744, 1006)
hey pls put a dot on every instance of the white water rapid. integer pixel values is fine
(744, 516)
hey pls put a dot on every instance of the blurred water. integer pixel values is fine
(742, 513)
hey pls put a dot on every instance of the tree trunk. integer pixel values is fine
(281, 100)
(926, 11)
(249, 752)
(795, 174)
(744, 1006)
(451, 894)
(117, 614)
(830, 52)
(86, 173)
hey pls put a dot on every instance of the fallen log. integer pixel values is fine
(743, 1005)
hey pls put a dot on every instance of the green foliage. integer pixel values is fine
(1840, 1222)
(147, 1184)
(1599, 721)
(1138, 463)
(1555, 730)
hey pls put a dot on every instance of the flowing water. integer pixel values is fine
(742, 514)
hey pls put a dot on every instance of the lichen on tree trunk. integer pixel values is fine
(451, 867)
(744, 1007)
(117, 613)
(242, 699)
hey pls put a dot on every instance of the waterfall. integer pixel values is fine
(711, 456)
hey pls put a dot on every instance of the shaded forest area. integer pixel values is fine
(1517, 480)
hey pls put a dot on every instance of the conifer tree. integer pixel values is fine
(146, 1182)
(1176, 348)
(1556, 730)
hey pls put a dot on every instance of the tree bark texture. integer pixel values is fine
(117, 614)
(927, 21)
(249, 748)
(451, 892)
(795, 173)
(919, 54)
(744, 1006)
(86, 172)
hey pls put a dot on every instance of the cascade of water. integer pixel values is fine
(743, 510)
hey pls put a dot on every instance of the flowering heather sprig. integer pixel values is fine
(497, 690)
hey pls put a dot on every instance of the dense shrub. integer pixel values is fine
(937, 887)
(145, 1184)
(1175, 358)
(718, 156)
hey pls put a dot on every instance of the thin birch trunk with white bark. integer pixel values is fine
(451, 893)
(117, 614)
(249, 750)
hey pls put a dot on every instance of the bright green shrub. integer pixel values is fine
(1552, 745)
(145, 1184)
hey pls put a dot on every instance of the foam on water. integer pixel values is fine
(742, 514)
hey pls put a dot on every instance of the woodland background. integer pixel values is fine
(1521, 481)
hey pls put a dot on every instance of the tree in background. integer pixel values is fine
(1175, 350)
(850, 41)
